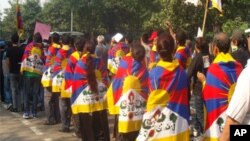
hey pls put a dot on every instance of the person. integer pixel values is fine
(238, 111)
(153, 54)
(200, 63)
(31, 68)
(88, 88)
(69, 74)
(6, 74)
(14, 57)
(58, 82)
(219, 86)
(51, 101)
(116, 52)
(128, 93)
(145, 43)
(167, 115)
(238, 47)
(183, 53)
(101, 49)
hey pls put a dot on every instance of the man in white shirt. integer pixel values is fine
(238, 111)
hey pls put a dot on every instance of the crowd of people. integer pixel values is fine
(146, 84)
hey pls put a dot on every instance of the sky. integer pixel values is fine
(5, 4)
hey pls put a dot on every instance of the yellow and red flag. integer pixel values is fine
(19, 20)
(215, 4)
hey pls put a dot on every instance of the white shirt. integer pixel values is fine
(239, 106)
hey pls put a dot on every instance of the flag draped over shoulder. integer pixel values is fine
(83, 100)
(153, 57)
(114, 56)
(59, 68)
(19, 20)
(215, 4)
(128, 93)
(220, 83)
(69, 74)
(183, 55)
(167, 113)
(49, 63)
(32, 59)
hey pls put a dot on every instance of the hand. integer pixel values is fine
(168, 24)
(201, 77)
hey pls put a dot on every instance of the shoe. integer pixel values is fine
(14, 110)
(64, 130)
(26, 116)
(49, 123)
(34, 115)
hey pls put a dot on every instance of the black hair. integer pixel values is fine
(165, 46)
(129, 39)
(79, 43)
(202, 45)
(138, 51)
(37, 38)
(91, 76)
(66, 39)
(222, 41)
(15, 38)
(181, 37)
(55, 37)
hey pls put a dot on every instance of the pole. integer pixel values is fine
(205, 18)
(71, 23)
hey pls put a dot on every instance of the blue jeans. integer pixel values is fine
(31, 92)
(7, 91)
(15, 91)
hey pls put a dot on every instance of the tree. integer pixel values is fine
(31, 11)
(9, 21)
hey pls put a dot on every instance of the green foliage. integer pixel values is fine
(126, 16)
(237, 23)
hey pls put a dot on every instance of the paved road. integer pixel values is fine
(14, 128)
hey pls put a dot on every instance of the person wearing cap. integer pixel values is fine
(153, 54)
(116, 52)
(239, 47)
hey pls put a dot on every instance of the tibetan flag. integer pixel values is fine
(83, 100)
(19, 20)
(167, 116)
(215, 4)
(33, 59)
(69, 74)
(183, 55)
(49, 63)
(220, 83)
(153, 57)
(128, 93)
(61, 60)
(114, 56)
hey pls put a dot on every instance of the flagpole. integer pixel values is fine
(205, 17)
